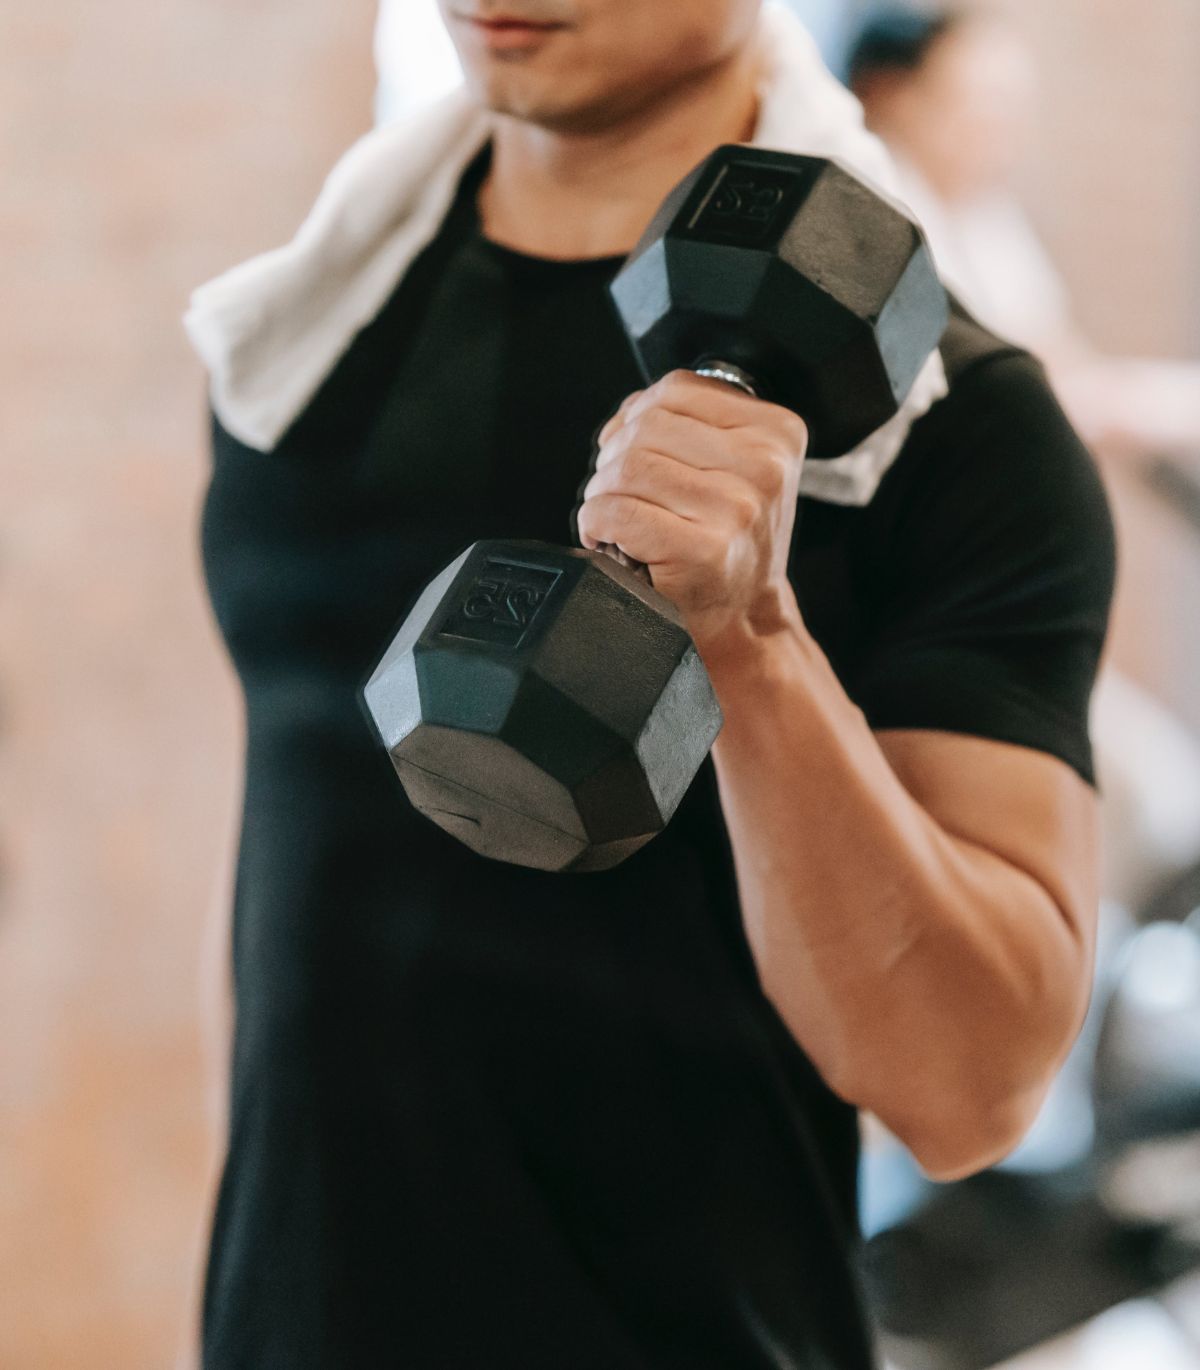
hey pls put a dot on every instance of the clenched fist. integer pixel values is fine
(699, 481)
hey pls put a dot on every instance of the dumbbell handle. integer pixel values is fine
(715, 370)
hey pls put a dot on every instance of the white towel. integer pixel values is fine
(272, 329)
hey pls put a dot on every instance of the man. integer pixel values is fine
(487, 1117)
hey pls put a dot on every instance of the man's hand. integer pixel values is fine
(700, 482)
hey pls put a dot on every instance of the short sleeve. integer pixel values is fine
(995, 563)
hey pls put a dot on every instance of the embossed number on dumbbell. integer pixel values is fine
(501, 603)
(745, 200)
(745, 203)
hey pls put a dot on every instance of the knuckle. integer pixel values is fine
(673, 389)
(744, 510)
(677, 380)
(766, 447)
(650, 422)
(633, 433)
(795, 430)
(635, 430)
(776, 473)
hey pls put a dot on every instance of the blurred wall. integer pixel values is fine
(1117, 184)
(144, 149)
(1115, 189)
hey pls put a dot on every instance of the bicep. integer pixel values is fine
(1021, 806)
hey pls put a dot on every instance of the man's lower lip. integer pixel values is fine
(512, 34)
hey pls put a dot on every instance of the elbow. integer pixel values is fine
(964, 1084)
(977, 1114)
(980, 1101)
(953, 1133)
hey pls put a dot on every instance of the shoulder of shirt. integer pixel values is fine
(967, 343)
(997, 391)
(997, 457)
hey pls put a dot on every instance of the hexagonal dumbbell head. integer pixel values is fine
(799, 273)
(544, 705)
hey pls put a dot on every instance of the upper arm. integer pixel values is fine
(1028, 809)
(978, 677)
(1019, 840)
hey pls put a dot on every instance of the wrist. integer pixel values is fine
(746, 646)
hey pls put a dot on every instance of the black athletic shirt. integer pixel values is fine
(486, 1118)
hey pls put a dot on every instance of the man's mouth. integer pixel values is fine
(505, 23)
(504, 31)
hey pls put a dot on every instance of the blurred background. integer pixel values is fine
(145, 149)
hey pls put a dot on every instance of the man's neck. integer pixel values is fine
(579, 195)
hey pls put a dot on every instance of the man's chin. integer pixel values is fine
(553, 111)
(530, 108)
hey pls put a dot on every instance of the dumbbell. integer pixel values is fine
(545, 704)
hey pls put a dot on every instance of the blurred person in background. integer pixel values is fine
(954, 94)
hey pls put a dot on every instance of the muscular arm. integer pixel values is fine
(920, 905)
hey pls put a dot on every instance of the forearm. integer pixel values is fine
(931, 981)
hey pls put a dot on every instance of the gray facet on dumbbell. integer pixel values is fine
(544, 705)
(794, 270)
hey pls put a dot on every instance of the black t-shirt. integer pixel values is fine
(486, 1118)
